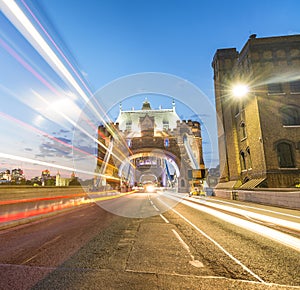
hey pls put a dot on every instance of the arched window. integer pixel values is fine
(243, 160)
(243, 130)
(182, 183)
(285, 155)
(249, 160)
(290, 115)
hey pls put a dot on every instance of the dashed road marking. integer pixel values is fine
(164, 218)
(220, 247)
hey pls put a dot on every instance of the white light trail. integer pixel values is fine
(77, 126)
(267, 232)
(38, 162)
(257, 216)
(16, 16)
(274, 235)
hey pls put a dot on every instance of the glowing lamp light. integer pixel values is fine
(240, 90)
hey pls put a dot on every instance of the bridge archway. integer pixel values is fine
(162, 165)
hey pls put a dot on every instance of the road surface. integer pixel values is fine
(175, 244)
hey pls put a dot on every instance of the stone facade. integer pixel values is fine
(156, 143)
(259, 134)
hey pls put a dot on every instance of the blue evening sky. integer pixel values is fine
(110, 39)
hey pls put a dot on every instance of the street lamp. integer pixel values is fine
(240, 90)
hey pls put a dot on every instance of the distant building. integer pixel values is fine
(17, 176)
(60, 181)
(5, 177)
(259, 135)
(160, 148)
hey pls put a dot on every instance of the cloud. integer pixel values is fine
(54, 149)
(65, 140)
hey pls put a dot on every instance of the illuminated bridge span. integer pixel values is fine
(158, 147)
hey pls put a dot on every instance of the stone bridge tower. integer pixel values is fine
(161, 148)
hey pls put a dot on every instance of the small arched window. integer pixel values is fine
(249, 160)
(243, 130)
(243, 160)
(285, 155)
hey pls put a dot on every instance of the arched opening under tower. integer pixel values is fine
(159, 167)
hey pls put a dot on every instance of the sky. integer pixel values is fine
(105, 46)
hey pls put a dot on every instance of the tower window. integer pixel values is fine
(275, 88)
(243, 160)
(295, 87)
(290, 115)
(128, 125)
(166, 125)
(285, 155)
(243, 130)
(249, 160)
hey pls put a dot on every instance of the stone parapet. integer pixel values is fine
(274, 197)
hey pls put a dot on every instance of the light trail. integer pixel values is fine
(39, 77)
(27, 66)
(35, 161)
(51, 137)
(78, 127)
(257, 208)
(29, 213)
(34, 199)
(274, 235)
(257, 216)
(17, 17)
(57, 47)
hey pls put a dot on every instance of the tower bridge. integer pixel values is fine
(153, 145)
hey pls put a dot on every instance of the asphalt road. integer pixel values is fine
(170, 246)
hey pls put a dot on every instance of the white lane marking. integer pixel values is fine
(164, 218)
(195, 263)
(155, 207)
(220, 247)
